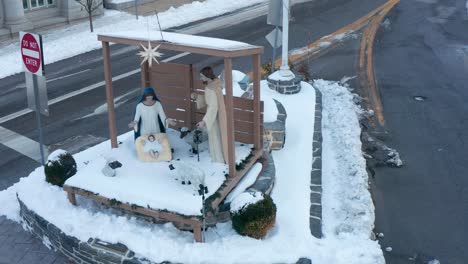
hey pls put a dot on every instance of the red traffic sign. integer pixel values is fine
(31, 53)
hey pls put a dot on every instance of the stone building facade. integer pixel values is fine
(30, 15)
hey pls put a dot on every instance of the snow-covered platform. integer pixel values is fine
(155, 185)
(163, 191)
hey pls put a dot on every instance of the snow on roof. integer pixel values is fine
(182, 39)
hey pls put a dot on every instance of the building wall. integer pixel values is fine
(14, 18)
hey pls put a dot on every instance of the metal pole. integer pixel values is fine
(136, 9)
(284, 69)
(203, 225)
(273, 64)
(38, 118)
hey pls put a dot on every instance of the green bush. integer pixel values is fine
(59, 169)
(255, 220)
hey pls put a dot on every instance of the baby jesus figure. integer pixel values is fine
(152, 146)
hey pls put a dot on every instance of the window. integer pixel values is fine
(33, 4)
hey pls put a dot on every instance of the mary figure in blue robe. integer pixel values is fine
(149, 115)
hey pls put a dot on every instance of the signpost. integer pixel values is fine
(33, 65)
(275, 39)
(136, 9)
(275, 13)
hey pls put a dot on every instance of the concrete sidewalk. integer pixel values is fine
(20, 247)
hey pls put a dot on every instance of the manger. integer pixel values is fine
(176, 84)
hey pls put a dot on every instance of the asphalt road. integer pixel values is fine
(422, 207)
(72, 123)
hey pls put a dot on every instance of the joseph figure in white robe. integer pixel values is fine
(215, 119)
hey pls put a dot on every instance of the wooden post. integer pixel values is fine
(109, 94)
(256, 102)
(230, 117)
(71, 197)
(145, 80)
(197, 233)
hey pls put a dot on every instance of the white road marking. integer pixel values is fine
(66, 76)
(175, 57)
(21, 144)
(103, 108)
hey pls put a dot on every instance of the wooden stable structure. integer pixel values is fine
(174, 84)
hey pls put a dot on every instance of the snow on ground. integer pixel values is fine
(148, 183)
(74, 40)
(246, 182)
(348, 210)
(347, 207)
(244, 199)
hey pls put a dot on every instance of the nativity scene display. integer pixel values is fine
(190, 141)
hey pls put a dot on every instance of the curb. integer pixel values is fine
(316, 172)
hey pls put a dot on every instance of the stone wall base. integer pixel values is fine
(286, 87)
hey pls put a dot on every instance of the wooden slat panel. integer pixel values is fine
(247, 127)
(239, 115)
(240, 103)
(246, 104)
(173, 68)
(244, 138)
(165, 80)
(178, 115)
(169, 102)
(173, 92)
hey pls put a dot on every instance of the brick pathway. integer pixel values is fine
(20, 247)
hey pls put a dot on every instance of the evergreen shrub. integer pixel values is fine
(255, 220)
(59, 169)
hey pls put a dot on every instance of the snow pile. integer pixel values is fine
(347, 207)
(276, 76)
(348, 210)
(244, 199)
(180, 39)
(246, 182)
(75, 40)
(55, 156)
(10, 207)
